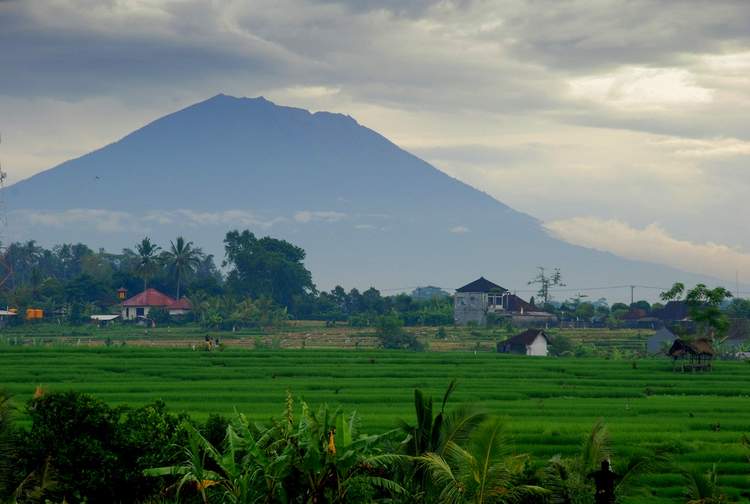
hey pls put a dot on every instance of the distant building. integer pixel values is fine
(660, 341)
(472, 301)
(529, 342)
(476, 300)
(138, 306)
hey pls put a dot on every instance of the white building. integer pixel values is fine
(529, 342)
(138, 306)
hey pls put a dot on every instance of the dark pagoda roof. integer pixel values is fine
(481, 285)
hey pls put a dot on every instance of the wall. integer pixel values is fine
(538, 347)
(470, 307)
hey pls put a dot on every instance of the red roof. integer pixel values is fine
(150, 297)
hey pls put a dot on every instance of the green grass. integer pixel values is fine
(550, 403)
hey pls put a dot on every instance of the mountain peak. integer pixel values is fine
(366, 211)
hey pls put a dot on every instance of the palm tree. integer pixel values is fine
(485, 471)
(182, 259)
(432, 434)
(148, 260)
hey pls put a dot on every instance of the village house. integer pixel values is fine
(529, 342)
(476, 300)
(138, 306)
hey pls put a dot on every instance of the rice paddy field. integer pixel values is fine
(550, 403)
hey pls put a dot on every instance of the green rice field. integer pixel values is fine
(550, 403)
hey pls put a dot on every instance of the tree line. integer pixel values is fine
(259, 281)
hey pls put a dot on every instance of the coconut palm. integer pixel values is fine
(432, 434)
(182, 258)
(484, 471)
(148, 260)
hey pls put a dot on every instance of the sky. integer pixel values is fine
(622, 125)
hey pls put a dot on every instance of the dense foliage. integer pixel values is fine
(79, 449)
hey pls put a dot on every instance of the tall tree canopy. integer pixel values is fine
(266, 267)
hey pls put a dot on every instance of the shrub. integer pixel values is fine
(390, 331)
(560, 345)
(94, 452)
(160, 316)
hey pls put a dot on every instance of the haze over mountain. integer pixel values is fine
(366, 211)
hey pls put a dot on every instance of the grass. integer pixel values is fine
(550, 403)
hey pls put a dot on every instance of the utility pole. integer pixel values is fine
(632, 295)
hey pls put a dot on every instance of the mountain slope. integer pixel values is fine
(367, 212)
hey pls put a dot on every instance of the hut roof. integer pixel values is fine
(682, 347)
(481, 284)
(526, 338)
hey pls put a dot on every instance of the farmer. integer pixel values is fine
(604, 480)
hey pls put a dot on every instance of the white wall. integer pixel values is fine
(538, 347)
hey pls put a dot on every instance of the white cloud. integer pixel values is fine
(460, 230)
(643, 87)
(114, 221)
(227, 217)
(305, 216)
(652, 243)
(713, 148)
(102, 220)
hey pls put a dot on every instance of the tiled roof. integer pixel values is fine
(481, 285)
(151, 298)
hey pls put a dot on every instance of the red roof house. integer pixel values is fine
(139, 305)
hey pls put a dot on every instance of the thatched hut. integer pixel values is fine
(692, 355)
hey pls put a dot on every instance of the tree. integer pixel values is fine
(265, 267)
(182, 258)
(390, 332)
(545, 282)
(704, 306)
(148, 260)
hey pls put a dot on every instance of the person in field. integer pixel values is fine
(604, 481)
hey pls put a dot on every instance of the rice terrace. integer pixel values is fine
(550, 404)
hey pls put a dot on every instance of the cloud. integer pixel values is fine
(102, 220)
(228, 217)
(654, 244)
(108, 221)
(460, 230)
(305, 216)
(647, 88)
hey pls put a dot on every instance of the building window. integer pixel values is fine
(139, 312)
